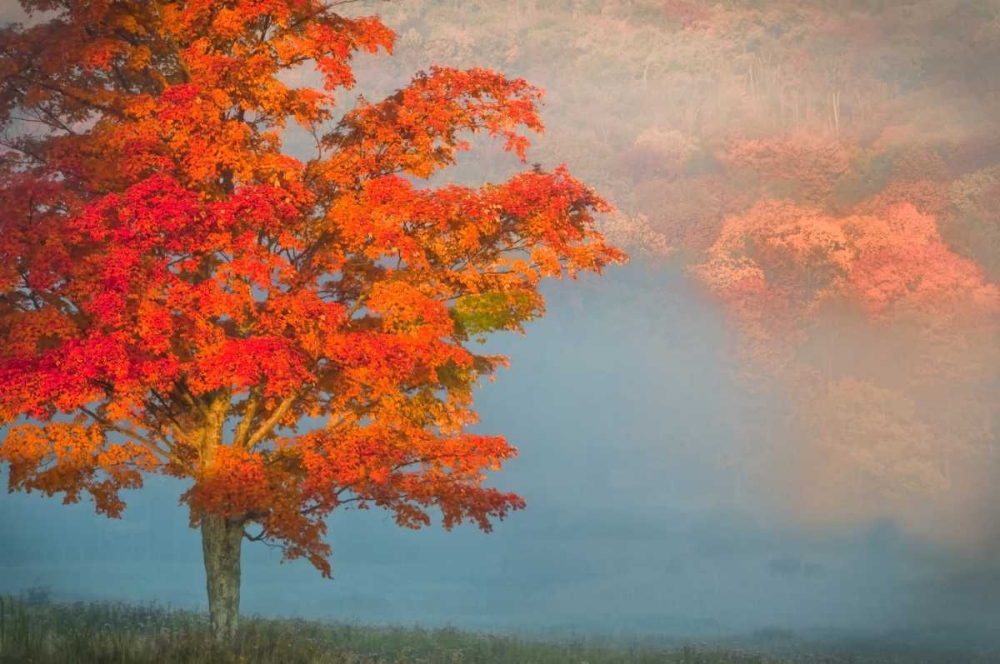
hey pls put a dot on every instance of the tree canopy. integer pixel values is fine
(180, 296)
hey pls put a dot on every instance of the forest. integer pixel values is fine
(829, 174)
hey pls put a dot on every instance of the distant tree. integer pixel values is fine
(177, 294)
(778, 265)
(883, 336)
(804, 167)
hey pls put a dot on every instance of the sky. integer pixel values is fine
(668, 494)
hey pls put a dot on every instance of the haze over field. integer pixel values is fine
(782, 413)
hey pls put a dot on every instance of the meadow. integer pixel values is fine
(34, 629)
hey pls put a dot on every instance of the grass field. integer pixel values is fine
(46, 632)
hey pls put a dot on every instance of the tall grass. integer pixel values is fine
(78, 633)
(117, 633)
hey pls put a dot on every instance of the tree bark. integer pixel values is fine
(222, 543)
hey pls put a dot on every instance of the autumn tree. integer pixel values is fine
(178, 293)
(883, 340)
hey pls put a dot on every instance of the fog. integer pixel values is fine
(687, 474)
(637, 521)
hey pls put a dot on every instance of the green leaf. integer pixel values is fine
(489, 312)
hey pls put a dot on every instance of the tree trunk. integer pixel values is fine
(221, 543)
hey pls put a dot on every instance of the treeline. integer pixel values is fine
(830, 173)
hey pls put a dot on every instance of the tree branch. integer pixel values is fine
(316, 508)
(268, 425)
(242, 434)
(150, 444)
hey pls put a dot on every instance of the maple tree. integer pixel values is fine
(177, 294)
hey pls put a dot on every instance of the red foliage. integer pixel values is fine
(175, 281)
(687, 13)
(777, 265)
(809, 164)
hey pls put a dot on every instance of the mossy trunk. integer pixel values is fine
(222, 543)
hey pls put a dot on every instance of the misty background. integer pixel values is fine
(664, 492)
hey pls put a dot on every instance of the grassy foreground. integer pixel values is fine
(122, 633)
(119, 633)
